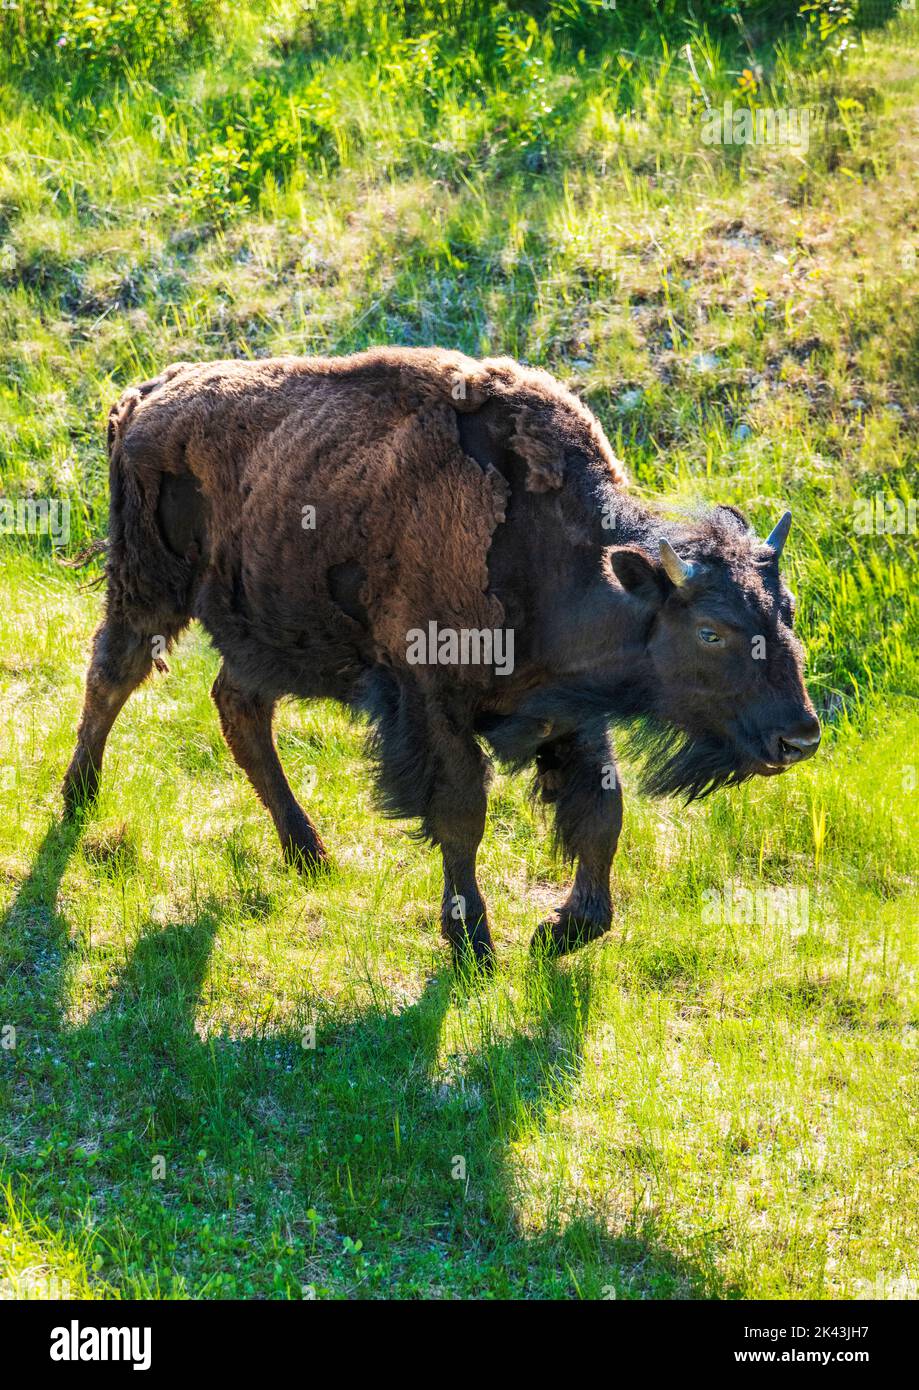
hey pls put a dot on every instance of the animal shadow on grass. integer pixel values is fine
(370, 1164)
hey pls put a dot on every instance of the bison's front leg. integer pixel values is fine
(455, 820)
(578, 775)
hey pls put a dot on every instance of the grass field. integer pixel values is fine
(217, 1081)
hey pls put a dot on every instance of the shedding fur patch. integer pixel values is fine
(538, 444)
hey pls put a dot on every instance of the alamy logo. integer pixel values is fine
(885, 516)
(74, 1343)
(764, 125)
(449, 646)
(773, 905)
(36, 516)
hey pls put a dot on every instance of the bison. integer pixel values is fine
(446, 545)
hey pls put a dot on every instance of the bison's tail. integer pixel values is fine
(119, 416)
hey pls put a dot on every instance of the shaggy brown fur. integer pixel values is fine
(371, 442)
(312, 512)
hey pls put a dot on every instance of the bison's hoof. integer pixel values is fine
(473, 960)
(80, 786)
(308, 855)
(565, 932)
(474, 951)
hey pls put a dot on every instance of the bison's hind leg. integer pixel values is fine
(246, 722)
(121, 659)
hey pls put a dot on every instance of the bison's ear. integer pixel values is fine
(638, 573)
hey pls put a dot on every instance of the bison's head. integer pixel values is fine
(727, 688)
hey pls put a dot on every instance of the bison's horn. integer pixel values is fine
(677, 570)
(779, 535)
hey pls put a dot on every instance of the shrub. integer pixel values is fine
(99, 39)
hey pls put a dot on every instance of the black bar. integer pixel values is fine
(259, 1338)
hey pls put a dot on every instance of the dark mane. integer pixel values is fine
(676, 764)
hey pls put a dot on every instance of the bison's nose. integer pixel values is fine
(794, 745)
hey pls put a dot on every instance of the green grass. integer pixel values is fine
(691, 1108)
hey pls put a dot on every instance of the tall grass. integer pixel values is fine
(700, 1105)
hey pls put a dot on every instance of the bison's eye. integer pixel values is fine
(708, 634)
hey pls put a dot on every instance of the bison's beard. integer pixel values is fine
(677, 764)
